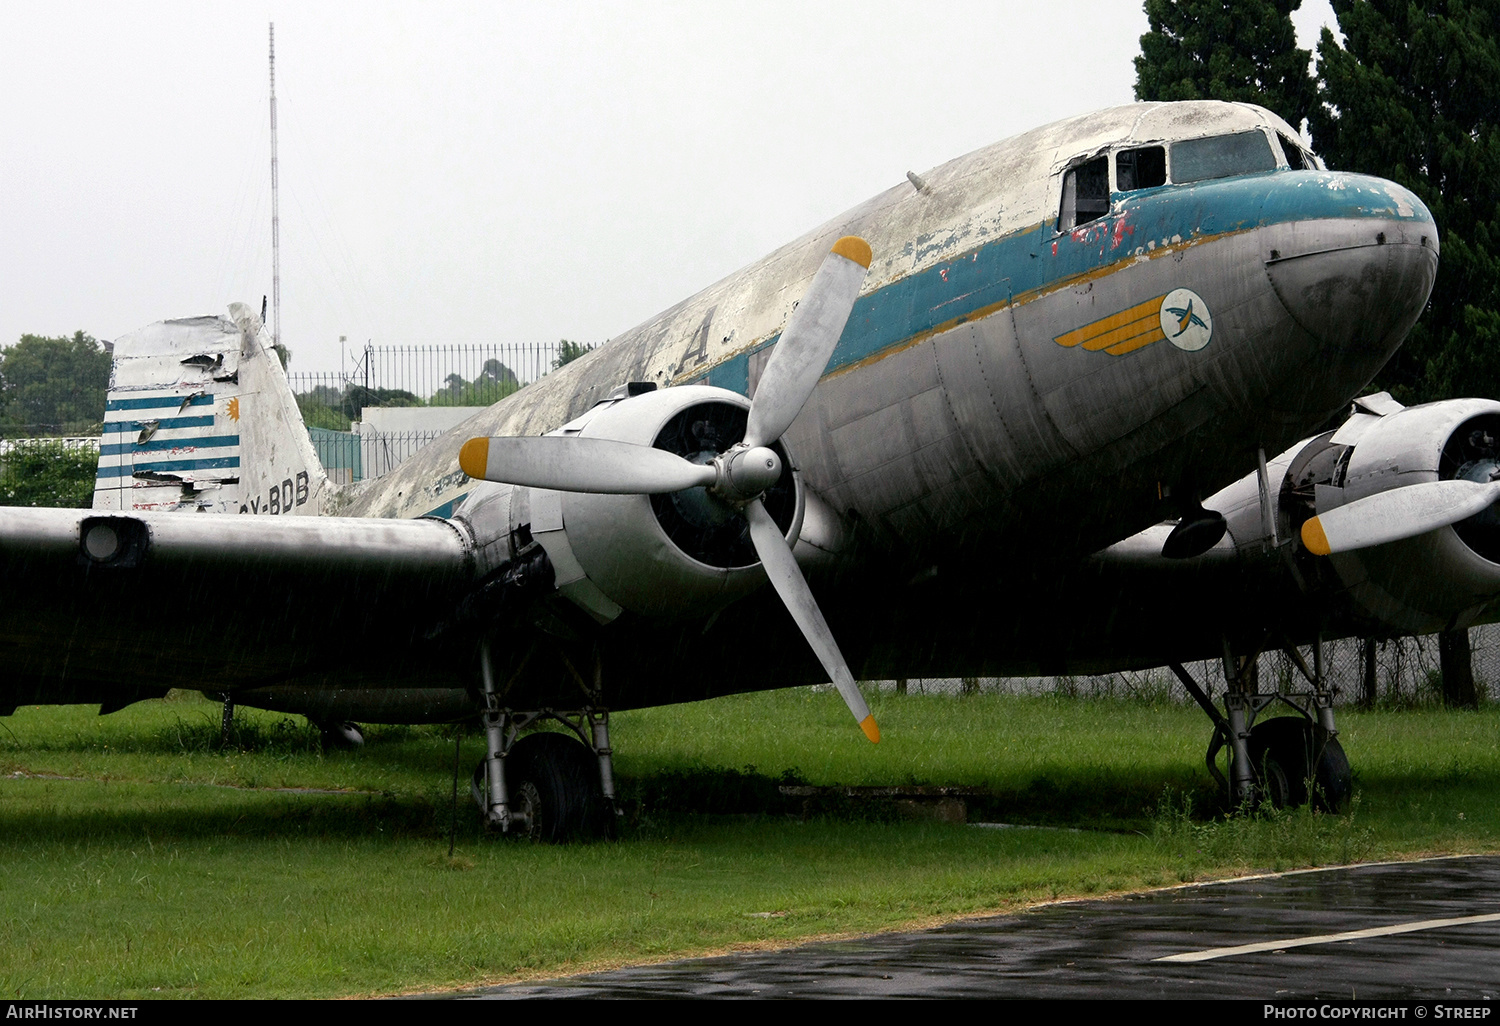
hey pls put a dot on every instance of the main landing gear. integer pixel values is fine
(549, 786)
(1285, 760)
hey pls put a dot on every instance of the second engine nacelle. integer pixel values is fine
(675, 554)
(1449, 577)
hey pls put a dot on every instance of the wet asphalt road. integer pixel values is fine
(1107, 948)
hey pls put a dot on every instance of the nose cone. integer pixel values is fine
(1356, 274)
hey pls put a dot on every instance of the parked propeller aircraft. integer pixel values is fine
(940, 426)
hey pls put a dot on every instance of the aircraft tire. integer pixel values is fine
(1333, 780)
(343, 735)
(555, 779)
(1278, 752)
(1290, 752)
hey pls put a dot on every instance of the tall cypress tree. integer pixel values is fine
(1414, 96)
(1225, 50)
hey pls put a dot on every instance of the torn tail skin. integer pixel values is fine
(200, 417)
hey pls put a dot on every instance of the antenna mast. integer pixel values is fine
(275, 207)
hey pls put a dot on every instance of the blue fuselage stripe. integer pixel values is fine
(1037, 259)
(447, 508)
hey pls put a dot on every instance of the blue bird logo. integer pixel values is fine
(1185, 318)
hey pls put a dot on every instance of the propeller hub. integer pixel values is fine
(747, 470)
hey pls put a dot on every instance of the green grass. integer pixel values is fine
(140, 858)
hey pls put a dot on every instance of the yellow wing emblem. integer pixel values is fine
(1120, 333)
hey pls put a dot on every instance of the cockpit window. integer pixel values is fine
(1085, 194)
(1295, 158)
(1220, 156)
(1143, 168)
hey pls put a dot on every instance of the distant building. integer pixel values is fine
(339, 453)
(385, 438)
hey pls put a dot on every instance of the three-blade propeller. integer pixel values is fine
(740, 474)
(1397, 514)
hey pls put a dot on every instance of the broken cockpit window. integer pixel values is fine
(1085, 194)
(1295, 158)
(1221, 156)
(1143, 168)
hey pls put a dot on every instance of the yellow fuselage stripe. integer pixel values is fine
(1153, 333)
(1116, 327)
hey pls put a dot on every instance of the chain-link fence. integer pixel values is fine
(1407, 673)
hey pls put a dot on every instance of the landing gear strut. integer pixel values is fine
(1286, 760)
(546, 786)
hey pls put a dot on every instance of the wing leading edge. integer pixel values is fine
(97, 602)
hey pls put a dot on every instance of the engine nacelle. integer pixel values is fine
(676, 554)
(1440, 580)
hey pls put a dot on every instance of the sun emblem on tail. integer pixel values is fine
(1185, 320)
(233, 408)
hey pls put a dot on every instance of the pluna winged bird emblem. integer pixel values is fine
(1185, 318)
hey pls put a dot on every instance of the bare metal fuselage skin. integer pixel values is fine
(968, 443)
(1001, 404)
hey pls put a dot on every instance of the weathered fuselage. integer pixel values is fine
(1060, 336)
(957, 390)
(1013, 389)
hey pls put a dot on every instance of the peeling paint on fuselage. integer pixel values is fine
(947, 373)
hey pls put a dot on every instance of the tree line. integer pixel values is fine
(53, 386)
(1412, 95)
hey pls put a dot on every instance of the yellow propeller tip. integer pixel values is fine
(1314, 538)
(852, 247)
(474, 457)
(871, 728)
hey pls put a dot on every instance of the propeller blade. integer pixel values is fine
(569, 463)
(801, 354)
(786, 577)
(1396, 514)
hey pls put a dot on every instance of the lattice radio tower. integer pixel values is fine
(275, 208)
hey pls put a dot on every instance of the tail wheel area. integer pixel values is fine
(340, 735)
(1289, 754)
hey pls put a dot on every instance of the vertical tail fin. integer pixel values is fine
(200, 417)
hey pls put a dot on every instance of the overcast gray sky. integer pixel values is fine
(494, 171)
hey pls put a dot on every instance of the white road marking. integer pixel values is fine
(1326, 938)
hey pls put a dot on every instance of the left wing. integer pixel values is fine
(95, 604)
